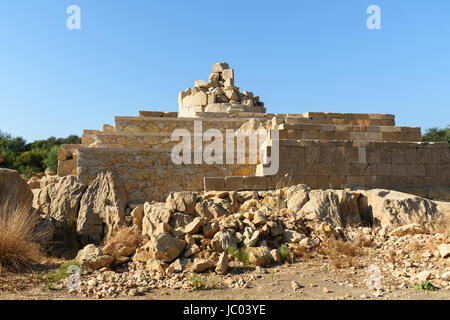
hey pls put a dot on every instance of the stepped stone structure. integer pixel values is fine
(321, 150)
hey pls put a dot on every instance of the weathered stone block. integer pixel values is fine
(214, 184)
(220, 67)
(234, 183)
(255, 183)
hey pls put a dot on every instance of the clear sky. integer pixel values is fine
(298, 56)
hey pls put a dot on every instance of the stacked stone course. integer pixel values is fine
(322, 150)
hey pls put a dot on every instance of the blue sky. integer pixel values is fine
(298, 56)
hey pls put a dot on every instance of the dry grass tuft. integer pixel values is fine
(126, 237)
(18, 235)
(341, 254)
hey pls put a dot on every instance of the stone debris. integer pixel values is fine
(218, 95)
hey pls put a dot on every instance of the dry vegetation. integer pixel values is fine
(126, 237)
(341, 254)
(18, 234)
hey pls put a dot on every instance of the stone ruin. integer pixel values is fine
(218, 95)
(321, 150)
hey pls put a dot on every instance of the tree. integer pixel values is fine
(437, 135)
(30, 158)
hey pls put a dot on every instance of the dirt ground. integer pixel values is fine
(315, 282)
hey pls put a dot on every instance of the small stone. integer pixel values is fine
(133, 293)
(222, 264)
(91, 283)
(295, 285)
(325, 290)
(444, 250)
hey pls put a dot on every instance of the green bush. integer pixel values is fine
(425, 286)
(437, 135)
(240, 254)
(51, 162)
(30, 158)
(53, 277)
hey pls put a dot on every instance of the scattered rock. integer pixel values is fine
(444, 250)
(166, 247)
(222, 264)
(92, 257)
(182, 201)
(201, 265)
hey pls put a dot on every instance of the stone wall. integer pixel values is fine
(168, 124)
(420, 168)
(348, 132)
(149, 174)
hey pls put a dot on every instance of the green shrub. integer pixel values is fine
(425, 286)
(284, 252)
(240, 254)
(437, 135)
(198, 282)
(51, 162)
(53, 277)
(30, 158)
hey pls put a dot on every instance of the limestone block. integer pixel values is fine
(231, 94)
(220, 67)
(217, 107)
(234, 183)
(211, 98)
(214, 77)
(229, 83)
(108, 128)
(214, 184)
(228, 74)
(255, 183)
(198, 99)
(201, 84)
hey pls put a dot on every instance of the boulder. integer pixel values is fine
(167, 248)
(210, 230)
(102, 209)
(156, 265)
(14, 191)
(444, 250)
(222, 264)
(247, 205)
(393, 209)
(292, 236)
(92, 257)
(323, 205)
(156, 218)
(348, 207)
(61, 200)
(138, 215)
(180, 220)
(201, 265)
(194, 226)
(182, 201)
(259, 219)
(211, 208)
(259, 256)
(297, 197)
